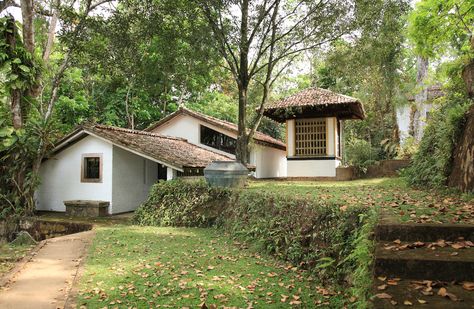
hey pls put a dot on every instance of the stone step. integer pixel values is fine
(423, 231)
(420, 295)
(446, 264)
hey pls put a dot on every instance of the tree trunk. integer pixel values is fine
(15, 94)
(421, 97)
(27, 13)
(242, 140)
(462, 173)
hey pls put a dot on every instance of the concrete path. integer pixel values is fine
(44, 281)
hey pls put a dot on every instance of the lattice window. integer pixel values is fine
(310, 137)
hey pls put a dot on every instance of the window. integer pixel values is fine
(217, 140)
(310, 137)
(91, 168)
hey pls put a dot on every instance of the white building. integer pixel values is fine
(116, 165)
(314, 121)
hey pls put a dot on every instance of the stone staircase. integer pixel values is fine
(424, 266)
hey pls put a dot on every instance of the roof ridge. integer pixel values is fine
(139, 132)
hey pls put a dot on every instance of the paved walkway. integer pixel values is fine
(43, 282)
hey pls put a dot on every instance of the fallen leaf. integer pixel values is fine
(468, 285)
(382, 287)
(442, 292)
(408, 303)
(422, 301)
(383, 296)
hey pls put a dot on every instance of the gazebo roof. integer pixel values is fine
(315, 102)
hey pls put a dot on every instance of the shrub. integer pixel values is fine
(306, 232)
(181, 203)
(360, 154)
(432, 164)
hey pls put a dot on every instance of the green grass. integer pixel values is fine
(130, 266)
(397, 200)
(10, 254)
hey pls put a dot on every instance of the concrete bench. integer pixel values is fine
(87, 208)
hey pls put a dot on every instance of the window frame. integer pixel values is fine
(324, 152)
(83, 167)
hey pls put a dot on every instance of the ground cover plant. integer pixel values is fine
(397, 200)
(138, 267)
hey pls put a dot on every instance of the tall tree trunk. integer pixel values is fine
(242, 140)
(421, 97)
(15, 94)
(462, 173)
(27, 14)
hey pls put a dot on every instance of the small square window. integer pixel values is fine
(91, 170)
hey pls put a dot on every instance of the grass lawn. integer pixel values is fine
(10, 254)
(397, 200)
(141, 267)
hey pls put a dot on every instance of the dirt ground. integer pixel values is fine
(44, 281)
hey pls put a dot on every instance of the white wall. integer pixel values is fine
(312, 168)
(290, 136)
(403, 121)
(132, 177)
(269, 161)
(61, 176)
(188, 127)
(331, 138)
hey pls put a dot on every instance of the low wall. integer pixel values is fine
(386, 168)
(7, 229)
(43, 229)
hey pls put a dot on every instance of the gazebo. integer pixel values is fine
(314, 121)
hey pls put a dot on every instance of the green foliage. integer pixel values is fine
(435, 26)
(362, 258)
(432, 164)
(361, 154)
(17, 182)
(408, 149)
(377, 81)
(181, 203)
(305, 231)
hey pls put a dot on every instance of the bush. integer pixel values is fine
(306, 232)
(360, 154)
(181, 203)
(432, 164)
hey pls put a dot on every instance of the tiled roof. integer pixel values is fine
(172, 151)
(319, 98)
(259, 137)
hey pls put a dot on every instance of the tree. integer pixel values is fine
(259, 39)
(32, 82)
(438, 27)
(377, 80)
